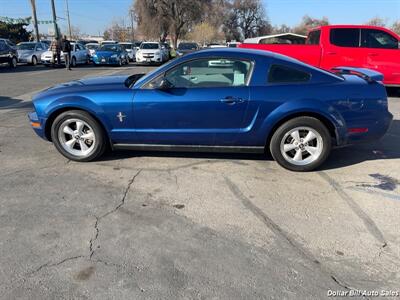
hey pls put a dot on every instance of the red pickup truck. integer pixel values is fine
(358, 46)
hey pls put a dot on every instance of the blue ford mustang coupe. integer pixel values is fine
(110, 54)
(218, 100)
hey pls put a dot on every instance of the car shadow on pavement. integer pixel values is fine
(393, 91)
(125, 154)
(22, 68)
(11, 103)
(386, 148)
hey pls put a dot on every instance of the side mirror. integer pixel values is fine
(165, 84)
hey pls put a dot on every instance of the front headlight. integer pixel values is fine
(157, 53)
(114, 56)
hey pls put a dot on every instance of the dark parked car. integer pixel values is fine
(185, 48)
(8, 53)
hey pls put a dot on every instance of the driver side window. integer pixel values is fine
(210, 72)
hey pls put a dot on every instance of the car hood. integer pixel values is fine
(84, 85)
(47, 53)
(149, 50)
(106, 53)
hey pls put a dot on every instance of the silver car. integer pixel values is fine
(79, 55)
(30, 52)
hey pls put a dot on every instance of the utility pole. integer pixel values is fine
(69, 21)
(35, 23)
(132, 19)
(53, 8)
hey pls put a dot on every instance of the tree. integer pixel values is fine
(117, 32)
(307, 23)
(396, 27)
(174, 17)
(246, 19)
(75, 32)
(150, 20)
(376, 21)
(15, 32)
(281, 29)
(204, 33)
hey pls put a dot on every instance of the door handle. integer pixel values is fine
(331, 53)
(231, 100)
(373, 54)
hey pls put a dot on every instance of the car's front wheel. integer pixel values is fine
(13, 62)
(78, 136)
(34, 61)
(301, 144)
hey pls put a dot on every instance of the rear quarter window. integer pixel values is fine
(314, 37)
(285, 74)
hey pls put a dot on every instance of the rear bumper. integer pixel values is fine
(377, 128)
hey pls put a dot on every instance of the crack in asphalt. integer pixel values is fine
(368, 222)
(98, 219)
(284, 236)
(48, 264)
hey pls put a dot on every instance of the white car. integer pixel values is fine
(151, 52)
(130, 48)
(92, 47)
(79, 55)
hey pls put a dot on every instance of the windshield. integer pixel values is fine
(109, 47)
(187, 46)
(149, 46)
(88, 46)
(26, 46)
(126, 46)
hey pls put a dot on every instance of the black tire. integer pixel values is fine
(34, 61)
(100, 144)
(13, 62)
(281, 134)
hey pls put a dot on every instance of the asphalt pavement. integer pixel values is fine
(147, 225)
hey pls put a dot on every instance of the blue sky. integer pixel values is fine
(93, 16)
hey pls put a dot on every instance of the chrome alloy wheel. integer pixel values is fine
(76, 137)
(301, 146)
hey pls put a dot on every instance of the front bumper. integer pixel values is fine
(26, 60)
(148, 59)
(37, 124)
(105, 60)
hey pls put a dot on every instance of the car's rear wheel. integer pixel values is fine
(13, 62)
(78, 136)
(301, 144)
(73, 61)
